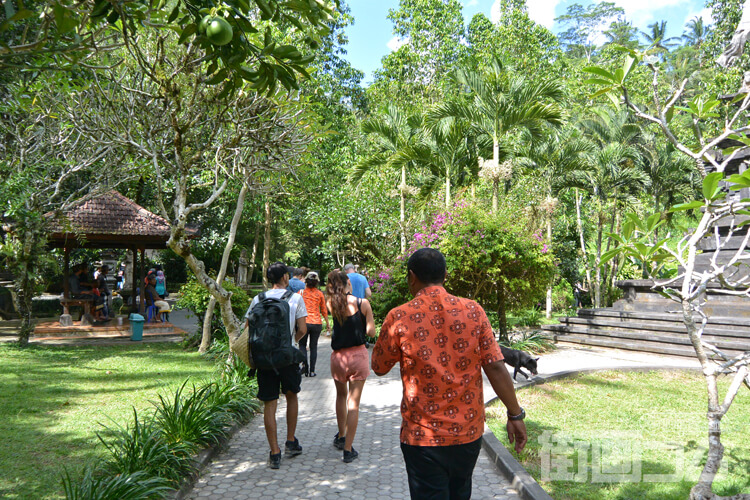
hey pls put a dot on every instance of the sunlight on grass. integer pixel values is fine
(54, 399)
(613, 433)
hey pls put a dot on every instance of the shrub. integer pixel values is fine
(529, 317)
(534, 342)
(389, 290)
(195, 298)
(562, 296)
(190, 418)
(142, 447)
(93, 486)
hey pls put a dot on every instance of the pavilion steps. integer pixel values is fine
(653, 332)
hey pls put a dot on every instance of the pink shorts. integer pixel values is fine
(350, 363)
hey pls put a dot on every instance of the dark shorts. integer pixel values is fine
(441, 472)
(288, 379)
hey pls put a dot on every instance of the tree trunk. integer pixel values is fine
(207, 319)
(447, 188)
(548, 308)
(403, 209)
(579, 221)
(23, 288)
(495, 182)
(179, 243)
(251, 271)
(267, 245)
(597, 262)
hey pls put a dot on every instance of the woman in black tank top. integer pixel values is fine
(350, 361)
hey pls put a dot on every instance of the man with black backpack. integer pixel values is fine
(275, 319)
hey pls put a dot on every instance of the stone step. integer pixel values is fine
(607, 324)
(717, 321)
(652, 347)
(662, 338)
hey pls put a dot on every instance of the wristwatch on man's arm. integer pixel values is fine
(520, 416)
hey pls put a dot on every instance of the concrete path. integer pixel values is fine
(241, 472)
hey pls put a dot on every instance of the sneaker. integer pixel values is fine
(293, 448)
(274, 461)
(349, 456)
(312, 374)
(338, 442)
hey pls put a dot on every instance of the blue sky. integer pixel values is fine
(371, 34)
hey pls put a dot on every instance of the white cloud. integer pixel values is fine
(396, 43)
(705, 14)
(641, 12)
(471, 3)
(541, 11)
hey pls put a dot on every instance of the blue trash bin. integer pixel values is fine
(136, 326)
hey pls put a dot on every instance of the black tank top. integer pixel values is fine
(351, 333)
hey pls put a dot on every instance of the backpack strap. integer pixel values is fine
(262, 297)
(287, 295)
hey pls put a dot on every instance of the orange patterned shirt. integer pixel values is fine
(315, 302)
(441, 343)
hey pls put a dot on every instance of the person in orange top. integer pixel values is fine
(442, 343)
(316, 305)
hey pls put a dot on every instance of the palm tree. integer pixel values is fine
(551, 161)
(695, 35)
(394, 132)
(447, 152)
(613, 178)
(657, 37)
(499, 102)
(695, 32)
(671, 174)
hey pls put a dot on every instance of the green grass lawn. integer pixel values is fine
(52, 400)
(601, 426)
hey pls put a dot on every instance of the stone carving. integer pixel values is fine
(737, 44)
(242, 269)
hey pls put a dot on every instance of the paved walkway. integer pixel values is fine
(241, 472)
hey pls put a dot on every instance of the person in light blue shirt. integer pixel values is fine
(360, 286)
(296, 284)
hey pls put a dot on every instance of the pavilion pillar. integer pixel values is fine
(141, 281)
(134, 275)
(66, 319)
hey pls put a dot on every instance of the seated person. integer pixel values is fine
(80, 289)
(153, 299)
(93, 288)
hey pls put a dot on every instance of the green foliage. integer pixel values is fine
(141, 446)
(487, 251)
(389, 289)
(562, 296)
(135, 486)
(195, 298)
(534, 342)
(188, 417)
(249, 45)
(530, 317)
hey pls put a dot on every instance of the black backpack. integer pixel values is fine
(269, 335)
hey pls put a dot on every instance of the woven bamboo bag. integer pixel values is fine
(240, 345)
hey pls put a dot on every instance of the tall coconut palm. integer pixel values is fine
(695, 32)
(499, 102)
(656, 37)
(613, 178)
(551, 161)
(393, 132)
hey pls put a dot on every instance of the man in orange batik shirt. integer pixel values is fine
(442, 343)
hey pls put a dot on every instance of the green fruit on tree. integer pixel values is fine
(204, 24)
(219, 32)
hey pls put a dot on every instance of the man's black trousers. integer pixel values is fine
(441, 472)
